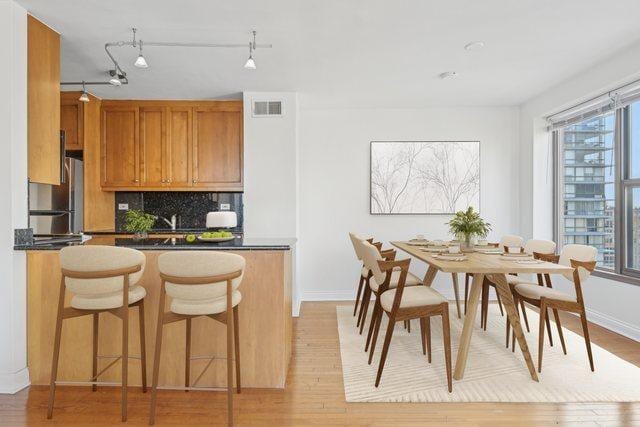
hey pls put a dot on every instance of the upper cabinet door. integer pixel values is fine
(120, 148)
(43, 103)
(217, 149)
(179, 148)
(72, 120)
(153, 132)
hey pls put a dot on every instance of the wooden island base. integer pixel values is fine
(264, 318)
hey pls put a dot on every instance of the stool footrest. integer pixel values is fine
(88, 383)
(210, 358)
(117, 356)
(192, 388)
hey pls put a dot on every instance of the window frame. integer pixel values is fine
(622, 184)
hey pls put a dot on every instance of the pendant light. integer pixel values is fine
(84, 97)
(251, 64)
(141, 62)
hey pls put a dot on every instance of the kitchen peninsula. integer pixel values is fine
(265, 319)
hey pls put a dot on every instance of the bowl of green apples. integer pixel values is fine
(216, 236)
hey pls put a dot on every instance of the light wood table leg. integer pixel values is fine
(507, 300)
(429, 276)
(467, 330)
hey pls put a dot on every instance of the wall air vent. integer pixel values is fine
(267, 109)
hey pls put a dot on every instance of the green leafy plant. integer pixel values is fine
(136, 221)
(466, 224)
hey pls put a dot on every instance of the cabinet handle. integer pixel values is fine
(195, 181)
(169, 181)
(136, 180)
(164, 180)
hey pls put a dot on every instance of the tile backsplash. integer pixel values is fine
(191, 208)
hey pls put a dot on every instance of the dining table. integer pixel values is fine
(490, 265)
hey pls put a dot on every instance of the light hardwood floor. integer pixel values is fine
(314, 395)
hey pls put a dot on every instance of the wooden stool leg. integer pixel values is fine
(56, 350)
(143, 346)
(507, 332)
(447, 344)
(587, 340)
(229, 357)
(409, 326)
(236, 335)
(456, 292)
(355, 306)
(485, 306)
(125, 357)
(385, 347)
(94, 368)
(156, 357)
(187, 355)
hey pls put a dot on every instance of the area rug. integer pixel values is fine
(493, 372)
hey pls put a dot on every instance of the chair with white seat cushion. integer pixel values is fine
(404, 303)
(363, 282)
(101, 279)
(365, 277)
(582, 259)
(200, 283)
(370, 257)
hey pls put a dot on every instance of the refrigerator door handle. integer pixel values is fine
(63, 166)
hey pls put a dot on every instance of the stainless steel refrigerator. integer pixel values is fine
(57, 209)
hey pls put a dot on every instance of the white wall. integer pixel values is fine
(612, 304)
(271, 173)
(13, 193)
(334, 184)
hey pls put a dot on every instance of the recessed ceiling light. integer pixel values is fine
(448, 75)
(474, 45)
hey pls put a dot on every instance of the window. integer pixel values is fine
(598, 185)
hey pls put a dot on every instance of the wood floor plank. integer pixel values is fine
(314, 395)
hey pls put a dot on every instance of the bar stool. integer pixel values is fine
(102, 279)
(200, 283)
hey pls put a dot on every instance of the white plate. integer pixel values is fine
(515, 258)
(529, 261)
(418, 242)
(215, 239)
(433, 249)
(451, 258)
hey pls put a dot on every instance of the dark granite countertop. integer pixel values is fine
(154, 231)
(174, 243)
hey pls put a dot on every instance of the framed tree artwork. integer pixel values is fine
(424, 177)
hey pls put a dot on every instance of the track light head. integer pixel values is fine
(116, 77)
(250, 64)
(141, 62)
(84, 97)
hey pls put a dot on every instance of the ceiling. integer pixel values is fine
(343, 53)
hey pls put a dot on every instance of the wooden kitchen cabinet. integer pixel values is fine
(72, 120)
(43, 103)
(217, 149)
(120, 147)
(181, 146)
(153, 138)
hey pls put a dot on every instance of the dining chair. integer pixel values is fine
(582, 259)
(374, 285)
(404, 303)
(507, 241)
(364, 271)
(535, 248)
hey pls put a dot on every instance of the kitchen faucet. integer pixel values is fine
(171, 223)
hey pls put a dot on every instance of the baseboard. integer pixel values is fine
(13, 382)
(613, 324)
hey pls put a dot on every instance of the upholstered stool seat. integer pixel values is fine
(204, 307)
(107, 301)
